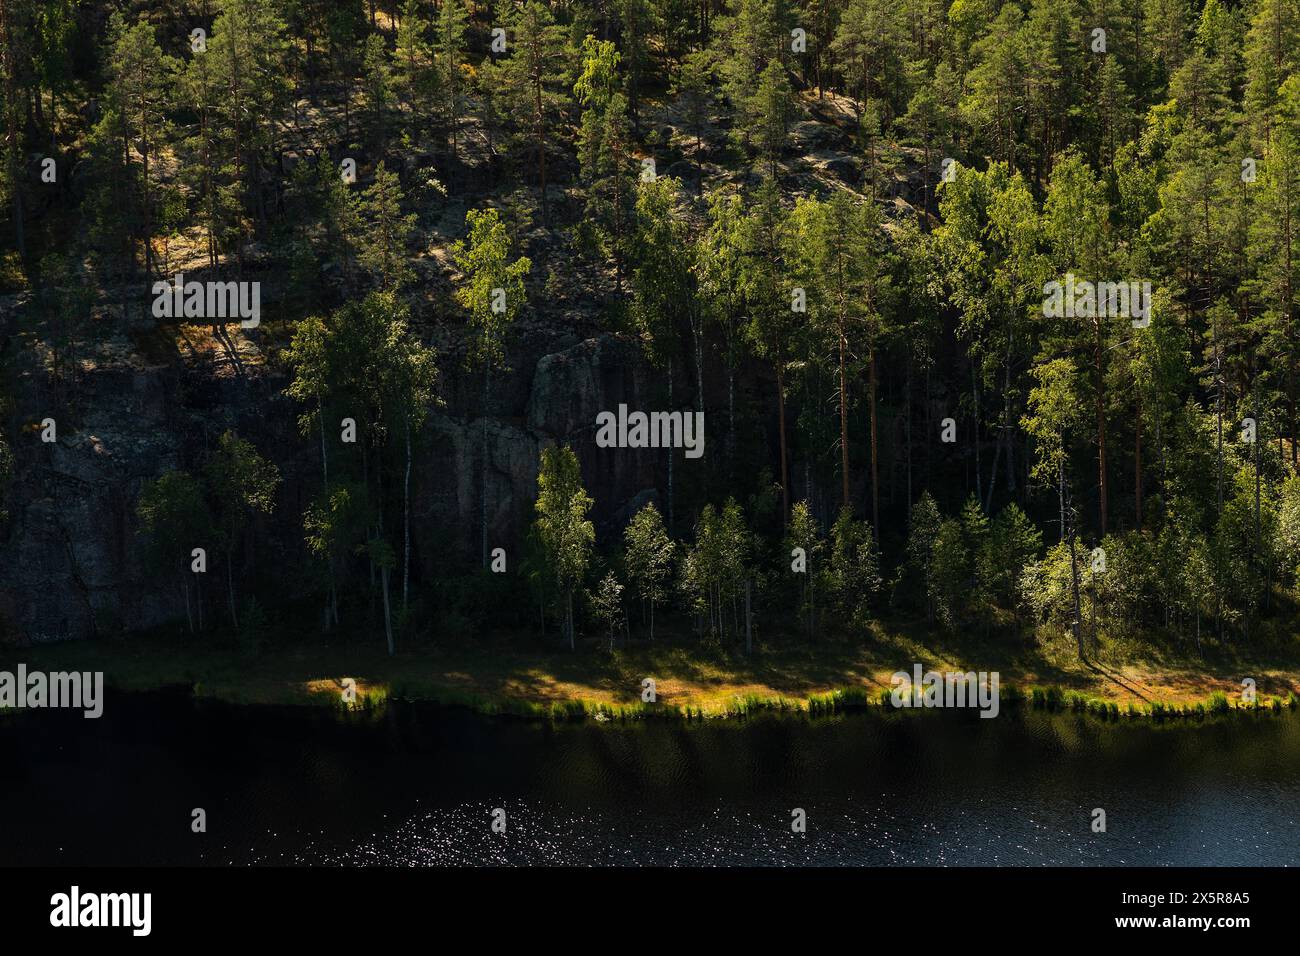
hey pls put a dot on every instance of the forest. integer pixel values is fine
(987, 308)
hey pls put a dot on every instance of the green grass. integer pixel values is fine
(829, 676)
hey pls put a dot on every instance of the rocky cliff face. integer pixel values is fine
(149, 400)
(70, 556)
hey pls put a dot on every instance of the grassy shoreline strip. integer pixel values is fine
(1051, 699)
(541, 689)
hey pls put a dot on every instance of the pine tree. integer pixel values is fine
(387, 232)
(871, 50)
(380, 98)
(1076, 216)
(136, 127)
(664, 280)
(772, 321)
(247, 53)
(605, 157)
(835, 247)
(531, 80)
(451, 65)
(854, 568)
(414, 71)
(768, 115)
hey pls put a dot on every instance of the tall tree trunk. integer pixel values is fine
(975, 426)
(731, 419)
(541, 151)
(1077, 624)
(1060, 492)
(671, 522)
(785, 472)
(749, 635)
(230, 584)
(908, 426)
(1101, 424)
(333, 609)
(1254, 448)
(875, 468)
(1004, 432)
(324, 458)
(1218, 402)
(406, 519)
(483, 500)
(145, 199)
(698, 336)
(11, 129)
(844, 421)
(388, 614)
(993, 473)
(334, 592)
(1137, 464)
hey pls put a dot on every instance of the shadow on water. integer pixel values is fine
(417, 784)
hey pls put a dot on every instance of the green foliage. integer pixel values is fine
(768, 115)
(484, 258)
(414, 70)
(1011, 544)
(924, 278)
(337, 521)
(853, 576)
(915, 582)
(242, 483)
(385, 254)
(174, 518)
(607, 604)
(605, 158)
(531, 81)
(1046, 586)
(664, 288)
(598, 81)
(563, 528)
(950, 573)
(804, 535)
(175, 521)
(129, 183)
(715, 568)
(649, 554)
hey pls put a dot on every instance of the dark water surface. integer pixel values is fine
(417, 784)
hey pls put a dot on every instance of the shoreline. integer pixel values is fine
(1052, 700)
(821, 679)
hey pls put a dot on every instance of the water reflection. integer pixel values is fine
(416, 786)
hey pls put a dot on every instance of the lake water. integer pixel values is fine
(417, 784)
